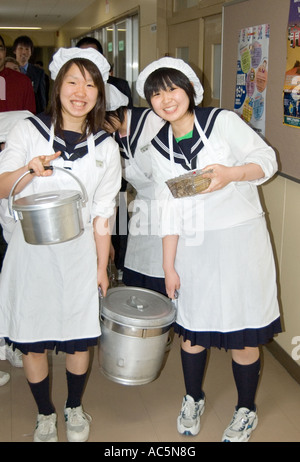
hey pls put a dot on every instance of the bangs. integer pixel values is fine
(162, 79)
(165, 78)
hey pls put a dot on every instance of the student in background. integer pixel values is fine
(23, 49)
(16, 93)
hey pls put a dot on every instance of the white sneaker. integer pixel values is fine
(4, 378)
(13, 356)
(46, 429)
(77, 423)
(242, 425)
(188, 421)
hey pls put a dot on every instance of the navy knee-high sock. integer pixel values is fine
(193, 366)
(41, 394)
(246, 379)
(75, 388)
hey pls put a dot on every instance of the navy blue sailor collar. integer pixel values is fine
(185, 152)
(138, 118)
(42, 123)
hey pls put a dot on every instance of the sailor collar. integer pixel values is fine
(185, 152)
(42, 123)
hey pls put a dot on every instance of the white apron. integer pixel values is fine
(50, 292)
(227, 274)
(144, 246)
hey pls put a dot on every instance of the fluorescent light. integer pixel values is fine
(20, 27)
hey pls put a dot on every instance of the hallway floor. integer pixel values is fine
(147, 413)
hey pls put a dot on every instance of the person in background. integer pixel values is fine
(12, 63)
(121, 84)
(4, 376)
(7, 121)
(133, 130)
(16, 92)
(23, 49)
(40, 64)
(217, 253)
(56, 305)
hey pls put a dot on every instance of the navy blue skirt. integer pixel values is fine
(134, 279)
(69, 346)
(236, 340)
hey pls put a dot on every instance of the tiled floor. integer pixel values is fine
(147, 413)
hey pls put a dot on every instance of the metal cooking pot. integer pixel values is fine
(135, 325)
(50, 217)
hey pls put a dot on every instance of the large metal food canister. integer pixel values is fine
(50, 217)
(135, 325)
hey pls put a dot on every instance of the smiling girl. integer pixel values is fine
(216, 248)
(49, 293)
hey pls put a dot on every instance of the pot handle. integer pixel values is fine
(50, 167)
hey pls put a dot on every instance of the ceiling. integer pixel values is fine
(48, 14)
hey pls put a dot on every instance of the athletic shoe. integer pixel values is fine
(13, 356)
(77, 423)
(240, 428)
(4, 378)
(46, 429)
(188, 421)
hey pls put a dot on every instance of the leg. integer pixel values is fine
(193, 360)
(37, 373)
(77, 421)
(77, 366)
(36, 366)
(246, 367)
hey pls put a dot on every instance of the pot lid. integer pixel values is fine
(138, 307)
(46, 200)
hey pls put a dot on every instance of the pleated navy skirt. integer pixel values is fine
(236, 340)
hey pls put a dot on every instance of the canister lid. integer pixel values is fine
(138, 307)
(46, 200)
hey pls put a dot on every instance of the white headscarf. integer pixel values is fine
(173, 63)
(114, 98)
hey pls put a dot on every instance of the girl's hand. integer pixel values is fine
(38, 164)
(172, 282)
(220, 176)
(103, 281)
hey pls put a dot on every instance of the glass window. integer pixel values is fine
(216, 71)
(183, 53)
(120, 42)
(182, 4)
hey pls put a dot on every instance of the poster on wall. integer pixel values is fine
(291, 89)
(252, 76)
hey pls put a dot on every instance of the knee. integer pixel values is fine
(246, 356)
(186, 346)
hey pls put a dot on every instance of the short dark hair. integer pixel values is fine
(90, 41)
(167, 77)
(23, 40)
(2, 40)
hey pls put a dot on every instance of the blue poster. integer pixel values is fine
(291, 90)
(252, 76)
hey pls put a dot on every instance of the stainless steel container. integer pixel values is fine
(50, 217)
(135, 325)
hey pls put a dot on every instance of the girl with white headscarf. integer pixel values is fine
(49, 293)
(217, 252)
